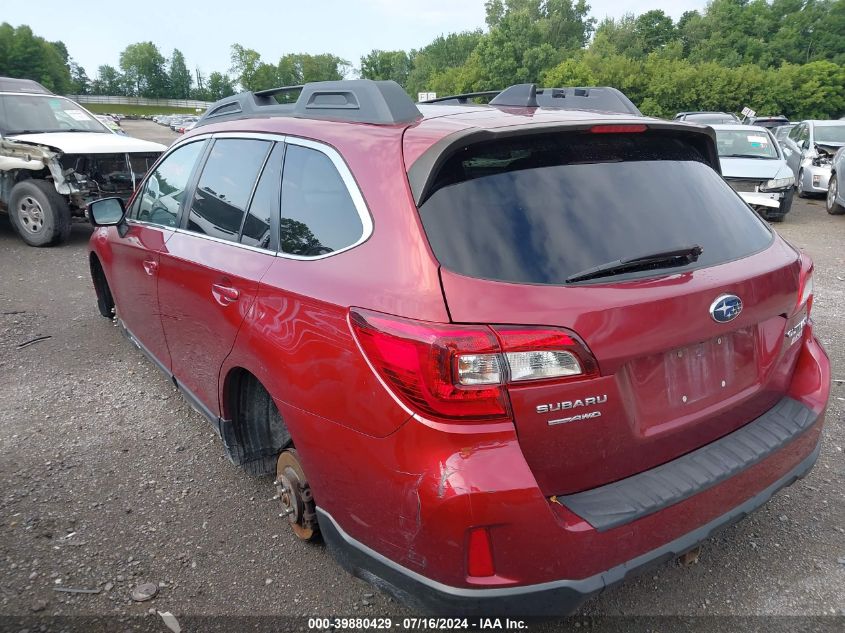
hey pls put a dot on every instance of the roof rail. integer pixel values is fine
(354, 100)
(602, 98)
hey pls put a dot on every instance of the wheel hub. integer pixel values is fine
(293, 491)
(31, 214)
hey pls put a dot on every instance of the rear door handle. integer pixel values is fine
(150, 267)
(224, 295)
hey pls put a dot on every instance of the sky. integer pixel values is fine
(204, 30)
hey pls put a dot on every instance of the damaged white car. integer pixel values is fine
(56, 157)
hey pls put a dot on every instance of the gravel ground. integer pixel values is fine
(108, 479)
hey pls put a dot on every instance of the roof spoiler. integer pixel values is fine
(353, 100)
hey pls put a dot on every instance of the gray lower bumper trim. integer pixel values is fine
(632, 498)
(556, 598)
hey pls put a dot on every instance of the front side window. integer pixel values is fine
(163, 196)
(225, 186)
(318, 213)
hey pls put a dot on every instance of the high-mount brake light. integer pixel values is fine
(618, 129)
(459, 372)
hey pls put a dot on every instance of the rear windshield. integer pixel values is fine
(540, 209)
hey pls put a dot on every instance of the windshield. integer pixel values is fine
(745, 144)
(541, 209)
(830, 134)
(30, 114)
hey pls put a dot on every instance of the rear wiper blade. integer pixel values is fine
(664, 259)
(747, 156)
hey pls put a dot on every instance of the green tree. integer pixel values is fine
(143, 70)
(79, 82)
(383, 65)
(245, 63)
(438, 66)
(108, 82)
(179, 75)
(219, 86)
(25, 55)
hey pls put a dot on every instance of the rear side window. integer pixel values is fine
(541, 209)
(225, 186)
(318, 213)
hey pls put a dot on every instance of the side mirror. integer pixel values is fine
(805, 144)
(106, 212)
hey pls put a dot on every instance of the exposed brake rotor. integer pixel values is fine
(293, 491)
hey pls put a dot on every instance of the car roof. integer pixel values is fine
(823, 122)
(738, 126)
(14, 85)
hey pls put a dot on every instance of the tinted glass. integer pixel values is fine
(225, 185)
(318, 215)
(259, 226)
(710, 118)
(21, 114)
(539, 210)
(745, 144)
(829, 133)
(161, 200)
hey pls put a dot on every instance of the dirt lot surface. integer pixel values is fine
(108, 479)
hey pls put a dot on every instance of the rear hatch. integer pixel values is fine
(519, 223)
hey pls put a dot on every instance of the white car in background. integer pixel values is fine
(56, 157)
(753, 165)
(809, 148)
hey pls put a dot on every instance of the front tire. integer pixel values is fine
(832, 206)
(39, 214)
(800, 185)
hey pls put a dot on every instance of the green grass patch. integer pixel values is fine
(114, 108)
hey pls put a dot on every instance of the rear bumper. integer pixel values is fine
(556, 598)
(548, 557)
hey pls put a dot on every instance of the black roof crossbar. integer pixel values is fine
(602, 98)
(463, 98)
(353, 100)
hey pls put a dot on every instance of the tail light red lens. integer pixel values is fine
(459, 372)
(418, 361)
(479, 553)
(805, 286)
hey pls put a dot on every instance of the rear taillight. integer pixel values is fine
(459, 372)
(805, 287)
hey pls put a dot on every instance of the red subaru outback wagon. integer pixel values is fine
(500, 356)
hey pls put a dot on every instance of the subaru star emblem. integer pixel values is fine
(725, 308)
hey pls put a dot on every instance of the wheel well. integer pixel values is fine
(259, 430)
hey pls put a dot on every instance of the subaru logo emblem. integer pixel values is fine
(725, 308)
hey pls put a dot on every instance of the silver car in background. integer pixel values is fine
(753, 165)
(809, 148)
(835, 200)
